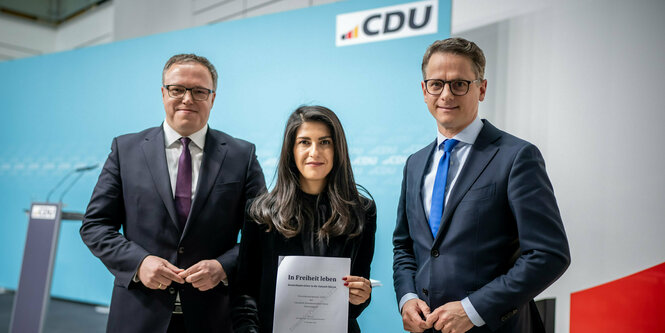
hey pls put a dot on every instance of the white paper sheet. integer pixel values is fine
(311, 296)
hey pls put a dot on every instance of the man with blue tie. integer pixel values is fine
(178, 191)
(478, 232)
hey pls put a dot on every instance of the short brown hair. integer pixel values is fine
(190, 57)
(459, 46)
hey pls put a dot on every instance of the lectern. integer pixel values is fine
(34, 286)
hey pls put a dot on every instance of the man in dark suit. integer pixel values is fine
(178, 191)
(478, 232)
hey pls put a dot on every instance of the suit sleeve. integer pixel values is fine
(246, 292)
(365, 254)
(254, 185)
(544, 253)
(404, 259)
(103, 218)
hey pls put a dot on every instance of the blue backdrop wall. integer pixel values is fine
(62, 110)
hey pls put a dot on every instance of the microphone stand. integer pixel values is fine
(80, 174)
(80, 171)
(48, 196)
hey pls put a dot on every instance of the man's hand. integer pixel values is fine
(359, 289)
(204, 275)
(413, 312)
(157, 273)
(450, 318)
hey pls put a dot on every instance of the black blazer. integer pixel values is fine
(257, 272)
(134, 192)
(501, 240)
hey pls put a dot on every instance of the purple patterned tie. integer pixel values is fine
(183, 185)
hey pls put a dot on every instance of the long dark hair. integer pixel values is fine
(282, 207)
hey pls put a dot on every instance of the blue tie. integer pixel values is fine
(439, 191)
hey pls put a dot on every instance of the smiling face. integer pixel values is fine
(186, 115)
(314, 155)
(453, 113)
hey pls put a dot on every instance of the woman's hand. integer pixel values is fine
(359, 289)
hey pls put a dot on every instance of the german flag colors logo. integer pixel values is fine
(351, 34)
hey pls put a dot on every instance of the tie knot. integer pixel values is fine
(185, 141)
(449, 144)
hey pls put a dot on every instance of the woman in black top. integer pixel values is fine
(315, 209)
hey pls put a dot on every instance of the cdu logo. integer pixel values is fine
(411, 19)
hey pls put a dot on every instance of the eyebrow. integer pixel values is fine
(458, 79)
(180, 85)
(321, 138)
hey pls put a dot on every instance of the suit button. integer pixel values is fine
(435, 253)
(425, 292)
(171, 290)
(181, 250)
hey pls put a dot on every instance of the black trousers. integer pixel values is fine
(177, 324)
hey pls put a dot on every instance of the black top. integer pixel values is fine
(318, 208)
(254, 301)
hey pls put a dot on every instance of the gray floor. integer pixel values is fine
(73, 317)
(62, 316)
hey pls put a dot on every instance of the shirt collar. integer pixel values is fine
(468, 135)
(171, 136)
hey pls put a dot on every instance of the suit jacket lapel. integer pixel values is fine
(155, 155)
(482, 152)
(213, 158)
(422, 167)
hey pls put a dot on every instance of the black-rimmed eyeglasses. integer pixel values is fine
(177, 91)
(457, 87)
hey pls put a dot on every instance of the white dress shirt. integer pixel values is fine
(174, 148)
(467, 137)
(458, 157)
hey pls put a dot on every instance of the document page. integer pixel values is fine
(311, 296)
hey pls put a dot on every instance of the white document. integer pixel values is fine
(311, 296)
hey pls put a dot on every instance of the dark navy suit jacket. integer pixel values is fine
(134, 192)
(501, 240)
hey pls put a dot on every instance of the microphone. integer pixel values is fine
(86, 168)
(80, 171)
